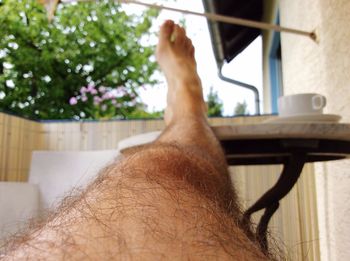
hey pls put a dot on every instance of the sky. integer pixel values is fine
(246, 67)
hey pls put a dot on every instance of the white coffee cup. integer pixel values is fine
(301, 104)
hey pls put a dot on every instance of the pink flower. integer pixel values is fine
(117, 93)
(83, 90)
(97, 100)
(90, 87)
(102, 89)
(84, 98)
(107, 96)
(93, 91)
(73, 101)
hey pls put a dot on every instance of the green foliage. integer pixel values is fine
(45, 65)
(215, 105)
(141, 113)
(241, 108)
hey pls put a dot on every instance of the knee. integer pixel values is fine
(183, 167)
(168, 160)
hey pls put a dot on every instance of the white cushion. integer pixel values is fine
(19, 202)
(57, 173)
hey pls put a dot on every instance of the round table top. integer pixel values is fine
(337, 131)
(272, 143)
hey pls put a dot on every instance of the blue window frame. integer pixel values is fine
(275, 70)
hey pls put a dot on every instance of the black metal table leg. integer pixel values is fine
(270, 200)
(263, 224)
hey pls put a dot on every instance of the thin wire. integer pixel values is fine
(224, 19)
(228, 19)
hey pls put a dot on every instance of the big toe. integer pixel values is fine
(166, 30)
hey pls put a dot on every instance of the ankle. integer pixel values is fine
(184, 80)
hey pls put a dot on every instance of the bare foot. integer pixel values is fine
(175, 55)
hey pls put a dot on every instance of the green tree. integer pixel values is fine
(141, 113)
(215, 105)
(241, 108)
(87, 63)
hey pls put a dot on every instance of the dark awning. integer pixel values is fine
(229, 40)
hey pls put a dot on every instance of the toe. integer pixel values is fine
(179, 34)
(188, 44)
(166, 29)
(192, 51)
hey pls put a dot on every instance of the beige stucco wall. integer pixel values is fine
(324, 68)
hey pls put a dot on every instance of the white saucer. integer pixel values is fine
(307, 118)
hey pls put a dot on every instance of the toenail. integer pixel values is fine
(172, 37)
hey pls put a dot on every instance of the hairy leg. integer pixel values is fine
(170, 200)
